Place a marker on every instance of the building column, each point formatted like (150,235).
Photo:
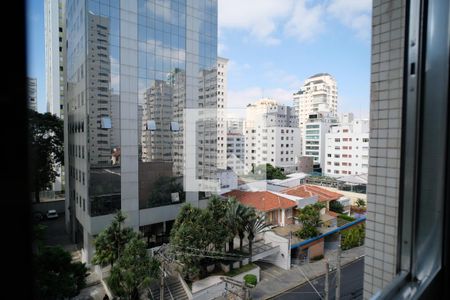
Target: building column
(87,251)
(283,217)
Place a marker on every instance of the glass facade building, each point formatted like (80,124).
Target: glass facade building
(136,72)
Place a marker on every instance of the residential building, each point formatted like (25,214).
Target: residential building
(236,152)
(55,67)
(271,135)
(235,125)
(55,55)
(228,180)
(321,195)
(277,209)
(141,113)
(347,149)
(318,92)
(32,93)
(314,136)
(222,95)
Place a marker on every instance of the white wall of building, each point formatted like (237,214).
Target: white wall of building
(347,149)
(314,135)
(317,90)
(222,94)
(271,135)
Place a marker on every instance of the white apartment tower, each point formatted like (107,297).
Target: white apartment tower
(347,149)
(271,135)
(316,127)
(236,145)
(318,91)
(222,86)
(55,48)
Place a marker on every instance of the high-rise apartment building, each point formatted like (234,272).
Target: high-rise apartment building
(317,126)
(222,94)
(347,148)
(32,93)
(141,113)
(317,92)
(271,135)
(55,54)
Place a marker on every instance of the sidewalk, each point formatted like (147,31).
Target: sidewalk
(275,280)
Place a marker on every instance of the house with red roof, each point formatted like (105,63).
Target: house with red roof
(278,210)
(322,195)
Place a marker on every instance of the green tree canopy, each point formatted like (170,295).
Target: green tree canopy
(353,237)
(109,244)
(133,271)
(360,203)
(268,171)
(195,233)
(309,216)
(56,276)
(46,137)
(337,207)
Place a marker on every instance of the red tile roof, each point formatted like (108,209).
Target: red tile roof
(307,190)
(262,201)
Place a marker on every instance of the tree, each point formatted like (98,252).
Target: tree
(110,243)
(244,215)
(134,270)
(218,209)
(268,171)
(253,227)
(353,237)
(360,203)
(309,216)
(56,276)
(232,220)
(46,136)
(337,207)
(194,234)
(162,191)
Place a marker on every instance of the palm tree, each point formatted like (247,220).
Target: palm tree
(231,220)
(245,214)
(255,226)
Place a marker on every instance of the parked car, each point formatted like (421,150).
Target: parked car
(52,214)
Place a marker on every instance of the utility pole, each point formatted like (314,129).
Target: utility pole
(338,270)
(327,266)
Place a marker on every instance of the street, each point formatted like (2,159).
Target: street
(351,284)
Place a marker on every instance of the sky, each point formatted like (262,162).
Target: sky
(272,47)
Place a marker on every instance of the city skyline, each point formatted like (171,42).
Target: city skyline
(268,74)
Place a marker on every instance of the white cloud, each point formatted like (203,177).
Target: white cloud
(355,14)
(306,21)
(258,17)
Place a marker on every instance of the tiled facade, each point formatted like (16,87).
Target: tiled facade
(388,23)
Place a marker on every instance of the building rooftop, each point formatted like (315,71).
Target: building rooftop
(307,190)
(319,75)
(262,200)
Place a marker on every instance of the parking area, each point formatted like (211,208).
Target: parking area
(56,233)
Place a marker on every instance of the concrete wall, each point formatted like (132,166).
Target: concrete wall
(316,249)
(282,258)
(43,207)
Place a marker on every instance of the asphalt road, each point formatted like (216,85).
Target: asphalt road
(351,285)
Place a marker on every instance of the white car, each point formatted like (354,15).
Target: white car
(52,214)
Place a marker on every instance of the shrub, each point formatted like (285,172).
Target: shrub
(346,218)
(250,279)
(353,237)
(336,207)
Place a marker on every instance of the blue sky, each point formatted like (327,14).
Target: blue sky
(272,48)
